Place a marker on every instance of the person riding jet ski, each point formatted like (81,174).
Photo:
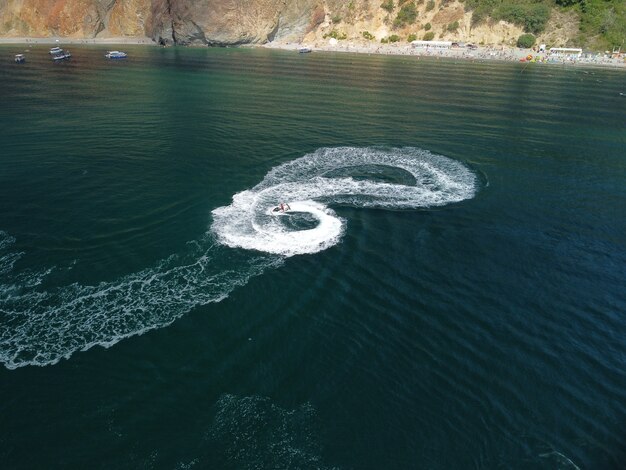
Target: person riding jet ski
(282,207)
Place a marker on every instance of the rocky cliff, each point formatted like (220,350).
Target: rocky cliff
(226,22)
(212,22)
(231,22)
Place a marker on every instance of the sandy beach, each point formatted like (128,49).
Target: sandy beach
(481,53)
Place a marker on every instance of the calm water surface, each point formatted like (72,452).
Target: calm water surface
(479,323)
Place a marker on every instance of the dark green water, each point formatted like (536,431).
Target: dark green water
(486,330)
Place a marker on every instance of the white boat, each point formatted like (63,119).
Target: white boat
(61,55)
(116,55)
(20,58)
(55,50)
(304,50)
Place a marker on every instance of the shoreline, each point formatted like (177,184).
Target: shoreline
(481,53)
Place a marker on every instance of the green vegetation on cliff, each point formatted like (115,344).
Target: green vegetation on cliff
(336,35)
(388,6)
(603,18)
(406,15)
(532,15)
(526,41)
(602,22)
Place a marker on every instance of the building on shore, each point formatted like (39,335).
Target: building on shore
(433,44)
(569,52)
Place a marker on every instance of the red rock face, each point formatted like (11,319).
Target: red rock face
(215,22)
(223,22)
(129,18)
(74,18)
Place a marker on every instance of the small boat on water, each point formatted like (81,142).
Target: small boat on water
(116,55)
(304,50)
(61,55)
(20,58)
(55,50)
(280,209)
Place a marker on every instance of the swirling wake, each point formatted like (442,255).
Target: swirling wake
(337,176)
(39,326)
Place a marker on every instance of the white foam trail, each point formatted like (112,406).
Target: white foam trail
(309,184)
(7,260)
(560,459)
(41,325)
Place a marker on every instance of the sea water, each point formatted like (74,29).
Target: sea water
(446,290)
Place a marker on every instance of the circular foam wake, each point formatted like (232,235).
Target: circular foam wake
(406,178)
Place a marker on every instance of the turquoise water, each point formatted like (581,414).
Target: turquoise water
(447,291)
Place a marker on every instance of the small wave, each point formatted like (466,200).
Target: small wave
(358,177)
(7,258)
(253,432)
(561,461)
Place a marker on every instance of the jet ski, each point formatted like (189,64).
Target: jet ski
(280,209)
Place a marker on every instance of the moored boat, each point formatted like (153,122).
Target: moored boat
(20,58)
(116,55)
(61,55)
(304,50)
(55,50)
